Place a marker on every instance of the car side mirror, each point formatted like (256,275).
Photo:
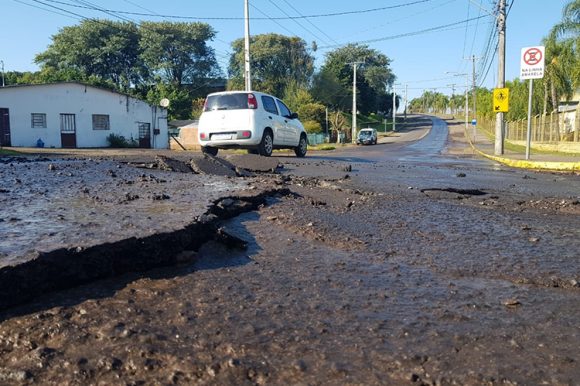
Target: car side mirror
(294,116)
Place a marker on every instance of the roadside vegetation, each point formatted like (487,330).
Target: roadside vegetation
(7,152)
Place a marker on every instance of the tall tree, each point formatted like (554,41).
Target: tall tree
(329,91)
(179,52)
(276,60)
(100,48)
(374,75)
(560,65)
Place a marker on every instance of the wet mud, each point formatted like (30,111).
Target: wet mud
(334,272)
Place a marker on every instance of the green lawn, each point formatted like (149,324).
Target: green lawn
(4,152)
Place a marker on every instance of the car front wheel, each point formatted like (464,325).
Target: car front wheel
(302,147)
(267,144)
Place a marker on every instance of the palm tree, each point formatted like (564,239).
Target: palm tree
(569,27)
(568,32)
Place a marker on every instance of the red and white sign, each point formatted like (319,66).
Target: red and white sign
(532,63)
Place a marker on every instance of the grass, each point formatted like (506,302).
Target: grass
(374,121)
(522,149)
(4,152)
(323,146)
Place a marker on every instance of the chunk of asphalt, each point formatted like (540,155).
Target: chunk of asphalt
(212,166)
(254,163)
(229,240)
(171,165)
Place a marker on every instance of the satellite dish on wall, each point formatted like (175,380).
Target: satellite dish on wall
(164,102)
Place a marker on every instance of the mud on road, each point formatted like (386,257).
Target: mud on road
(317,274)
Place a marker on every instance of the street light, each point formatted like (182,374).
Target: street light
(2,63)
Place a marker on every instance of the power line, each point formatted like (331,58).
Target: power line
(275,20)
(412,15)
(476,28)
(311,23)
(265,18)
(432,29)
(47,9)
(466,29)
(296,21)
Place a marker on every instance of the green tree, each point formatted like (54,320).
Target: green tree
(180,101)
(569,27)
(276,60)
(457,103)
(373,75)
(301,101)
(103,49)
(327,89)
(559,68)
(178,52)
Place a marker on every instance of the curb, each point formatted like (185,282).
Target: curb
(527,164)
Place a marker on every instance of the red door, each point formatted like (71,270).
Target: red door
(5,128)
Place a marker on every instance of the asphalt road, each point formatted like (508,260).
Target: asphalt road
(408,262)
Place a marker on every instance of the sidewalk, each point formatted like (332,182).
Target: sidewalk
(557,161)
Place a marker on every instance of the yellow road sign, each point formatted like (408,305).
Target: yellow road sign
(501,97)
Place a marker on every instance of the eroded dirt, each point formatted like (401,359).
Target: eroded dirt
(422,276)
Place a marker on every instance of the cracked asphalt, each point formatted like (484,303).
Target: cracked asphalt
(409,262)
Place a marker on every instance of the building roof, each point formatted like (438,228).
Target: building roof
(13,86)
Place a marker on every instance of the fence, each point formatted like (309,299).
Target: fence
(316,139)
(556,128)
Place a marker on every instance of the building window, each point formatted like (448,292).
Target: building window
(38,120)
(100,122)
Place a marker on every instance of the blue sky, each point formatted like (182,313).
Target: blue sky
(393,27)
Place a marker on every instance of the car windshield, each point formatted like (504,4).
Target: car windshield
(365,133)
(227,102)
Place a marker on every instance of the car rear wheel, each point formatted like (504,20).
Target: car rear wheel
(209,150)
(267,144)
(302,147)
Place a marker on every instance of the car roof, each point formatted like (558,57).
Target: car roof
(239,92)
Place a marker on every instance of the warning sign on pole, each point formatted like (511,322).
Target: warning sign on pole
(501,98)
(532,63)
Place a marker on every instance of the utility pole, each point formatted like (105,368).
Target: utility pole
(326,119)
(406,87)
(474,95)
(353,131)
(394,108)
(466,101)
(499,121)
(247,74)
(2,62)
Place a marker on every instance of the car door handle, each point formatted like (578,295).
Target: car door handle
(269,116)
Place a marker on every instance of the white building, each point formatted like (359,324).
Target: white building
(74,115)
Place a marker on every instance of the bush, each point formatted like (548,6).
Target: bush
(312,127)
(118,141)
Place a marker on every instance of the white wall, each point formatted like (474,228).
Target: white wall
(124,114)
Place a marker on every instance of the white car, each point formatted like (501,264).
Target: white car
(367,137)
(249,120)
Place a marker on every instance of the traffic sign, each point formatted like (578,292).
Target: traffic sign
(532,63)
(501,98)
